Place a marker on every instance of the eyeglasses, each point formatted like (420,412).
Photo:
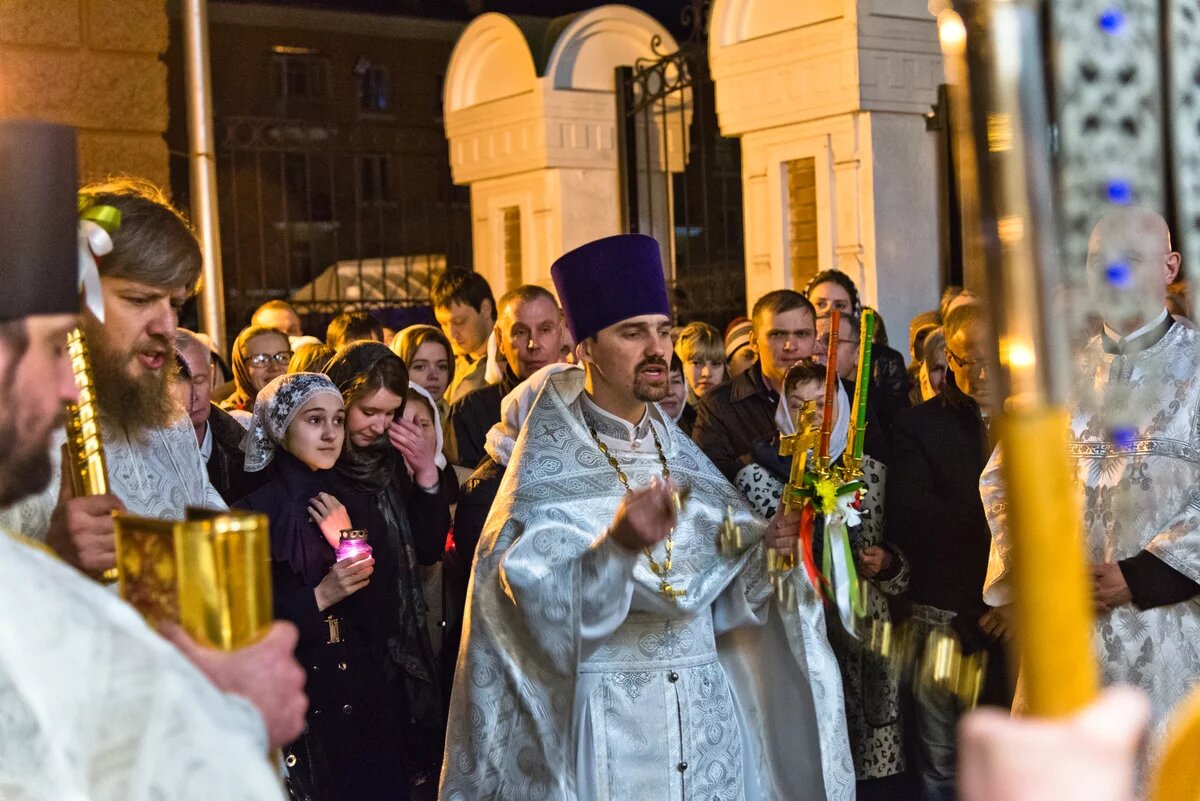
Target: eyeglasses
(972,366)
(262,359)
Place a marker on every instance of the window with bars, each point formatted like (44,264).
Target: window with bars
(299,75)
(512,246)
(373,88)
(803,252)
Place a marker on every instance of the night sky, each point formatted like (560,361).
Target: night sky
(666,11)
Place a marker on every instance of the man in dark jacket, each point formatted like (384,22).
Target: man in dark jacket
(934,514)
(735,416)
(530,336)
(218,434)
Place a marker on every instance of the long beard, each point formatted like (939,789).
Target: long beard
(136,404)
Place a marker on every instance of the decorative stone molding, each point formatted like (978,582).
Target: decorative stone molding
(530,113)
(846,83)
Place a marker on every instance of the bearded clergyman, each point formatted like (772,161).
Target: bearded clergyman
(613,649)
(154,465)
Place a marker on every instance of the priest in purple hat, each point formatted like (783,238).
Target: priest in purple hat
(613,651)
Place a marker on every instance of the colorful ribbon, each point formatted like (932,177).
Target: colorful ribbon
(96,224)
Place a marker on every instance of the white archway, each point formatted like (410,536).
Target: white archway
(490,61)
(537,142)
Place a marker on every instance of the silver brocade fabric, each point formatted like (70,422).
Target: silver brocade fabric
(579,680)
(1144,497)
(95,705)
(157,474)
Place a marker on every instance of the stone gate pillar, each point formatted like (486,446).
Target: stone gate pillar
(830,98)
(530,112)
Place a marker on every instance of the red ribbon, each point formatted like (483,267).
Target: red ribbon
(808,516)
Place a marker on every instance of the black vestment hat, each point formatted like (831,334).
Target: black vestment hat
(39,223)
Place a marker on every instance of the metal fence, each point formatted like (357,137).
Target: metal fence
(328,216)
(680,179)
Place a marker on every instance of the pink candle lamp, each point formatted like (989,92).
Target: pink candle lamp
(353,543)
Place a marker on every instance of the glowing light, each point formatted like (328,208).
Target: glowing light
(1119,191)
(353,543)
(1111,21)
(1020,355)
(999,133)
(1119,274)
(1124,438)
(951,32)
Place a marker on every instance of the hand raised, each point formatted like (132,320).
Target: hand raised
(645,517)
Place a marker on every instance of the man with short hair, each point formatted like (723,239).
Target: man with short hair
(599,598)
(529,335)
(279,314)
(217,432)
(466,310)
(154,464)
(739,414)
(1134,442)
(353,326)
(935,516)
(93,703)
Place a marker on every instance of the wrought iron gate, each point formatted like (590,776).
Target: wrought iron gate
(680,180)
(328,216)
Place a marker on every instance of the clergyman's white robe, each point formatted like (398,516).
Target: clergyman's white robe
(579,680)
(158,473)
(1142,497)
(94,706)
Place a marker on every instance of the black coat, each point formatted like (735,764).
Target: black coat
(472,416)
(892,384)
(934,513)
(733,417)
(359,708)
(475,498)
(226,463)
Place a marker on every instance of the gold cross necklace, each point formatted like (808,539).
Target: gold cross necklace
(661,570)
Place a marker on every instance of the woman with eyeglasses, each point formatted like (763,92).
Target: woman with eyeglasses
(259,354)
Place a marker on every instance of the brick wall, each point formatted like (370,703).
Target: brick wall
(93,64)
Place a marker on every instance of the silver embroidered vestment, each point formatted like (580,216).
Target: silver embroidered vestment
(1141,495)
(579,680)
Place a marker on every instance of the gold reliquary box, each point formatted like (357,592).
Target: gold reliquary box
(210,573)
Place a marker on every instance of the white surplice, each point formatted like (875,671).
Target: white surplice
(94,706)
(578,679)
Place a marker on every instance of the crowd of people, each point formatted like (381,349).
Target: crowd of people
(544,611)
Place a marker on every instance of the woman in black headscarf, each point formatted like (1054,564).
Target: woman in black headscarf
(390,485)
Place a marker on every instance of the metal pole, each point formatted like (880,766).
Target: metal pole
(202,165)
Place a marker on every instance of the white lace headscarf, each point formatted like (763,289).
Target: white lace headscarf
(275,407)
(440,458)
(515,408)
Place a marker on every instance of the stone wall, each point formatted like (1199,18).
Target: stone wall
(93,64)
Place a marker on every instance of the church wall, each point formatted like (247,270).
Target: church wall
(96,65)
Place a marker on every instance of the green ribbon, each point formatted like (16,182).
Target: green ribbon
(107,217)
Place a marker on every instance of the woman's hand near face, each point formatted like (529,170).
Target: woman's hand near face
(408,438)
